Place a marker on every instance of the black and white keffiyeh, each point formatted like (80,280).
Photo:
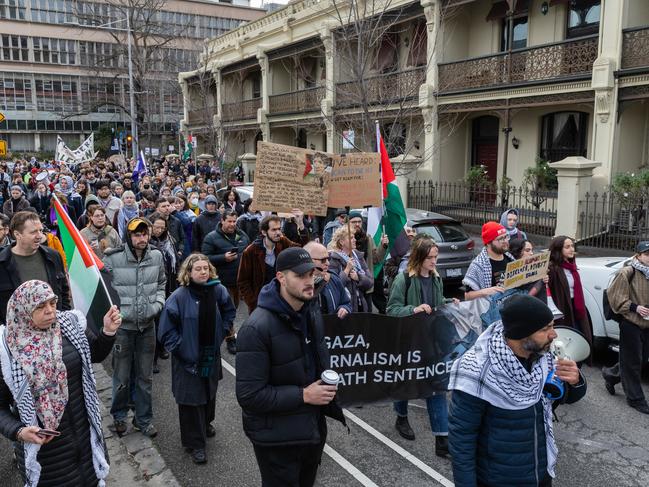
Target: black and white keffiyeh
(490,371)
(73,325)
(640,267)
(478,275)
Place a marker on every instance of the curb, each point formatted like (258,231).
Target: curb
(134,461)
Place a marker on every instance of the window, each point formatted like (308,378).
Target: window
(256,86)
(395,139)
(14,48)
(519,34)
(583,18)
(563,134)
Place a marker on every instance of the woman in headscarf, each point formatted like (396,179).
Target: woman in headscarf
(17,201)
(193,324)
(48,397)
(126,213)
(509,220)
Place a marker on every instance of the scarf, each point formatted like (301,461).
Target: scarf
(126,213)
(38,352)
(513,232)
(71,325)
(490,371)
(357,264)
(207,323)
(579,302)
(478,275)
(638,266)
(164,245)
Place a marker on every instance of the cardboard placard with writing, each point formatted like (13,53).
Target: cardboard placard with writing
(289,177)
(526,270)
(355,180)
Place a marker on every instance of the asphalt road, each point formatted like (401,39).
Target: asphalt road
(602,442)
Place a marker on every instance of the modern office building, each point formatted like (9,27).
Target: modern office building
(453,84)
(64,66)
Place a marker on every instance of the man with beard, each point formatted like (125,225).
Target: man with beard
(175,228)
(330,291)
(373,256)
(487,271)
(500,419)
(257,266)
(281,356)
(109,202)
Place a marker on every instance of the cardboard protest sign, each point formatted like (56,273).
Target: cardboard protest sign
(289,177)
(355,180)
(527,269)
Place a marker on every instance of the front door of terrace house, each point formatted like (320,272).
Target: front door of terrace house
(484,151)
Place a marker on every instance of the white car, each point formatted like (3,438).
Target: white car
(596,274)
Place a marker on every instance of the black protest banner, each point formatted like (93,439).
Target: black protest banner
(386,358)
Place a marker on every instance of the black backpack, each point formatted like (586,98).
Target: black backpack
(609,314)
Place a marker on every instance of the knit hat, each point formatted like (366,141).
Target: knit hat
(491,231)
(15,186)
(523,315)
(355,214)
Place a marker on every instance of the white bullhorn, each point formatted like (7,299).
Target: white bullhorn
(570,344)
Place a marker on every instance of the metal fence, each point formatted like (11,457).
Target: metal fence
(613,221)
(476,205)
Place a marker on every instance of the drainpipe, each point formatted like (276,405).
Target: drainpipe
(510,32)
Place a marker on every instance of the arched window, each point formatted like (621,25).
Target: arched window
(563,134)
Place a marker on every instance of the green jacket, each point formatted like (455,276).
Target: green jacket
(401,305)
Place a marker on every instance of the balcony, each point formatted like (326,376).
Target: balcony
(570,59)
(382,89)
(635,48)
(297,101)
(241,110)
(201,116)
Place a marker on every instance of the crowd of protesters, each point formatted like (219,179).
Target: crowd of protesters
(184,253)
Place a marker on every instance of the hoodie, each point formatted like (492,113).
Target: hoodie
(513,232)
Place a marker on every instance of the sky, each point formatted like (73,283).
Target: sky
(257,3)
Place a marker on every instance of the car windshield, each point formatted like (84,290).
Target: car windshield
(444,232)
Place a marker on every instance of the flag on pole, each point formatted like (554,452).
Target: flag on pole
(140,168)
(390,218)
(189,148)
(89,292)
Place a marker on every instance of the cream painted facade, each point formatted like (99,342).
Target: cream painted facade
(574,82)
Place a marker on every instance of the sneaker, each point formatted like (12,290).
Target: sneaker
(149,430)
(441,446)
(164,355)
(403,427)
(231,345)
(641,406)
(610,387)
(156,369)
(198,456)
(210,431)
(120,427)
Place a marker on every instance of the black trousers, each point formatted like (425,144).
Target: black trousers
(193,423)
(289,466)
(633,343)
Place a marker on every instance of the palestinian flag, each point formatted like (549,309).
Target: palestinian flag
(89,291)
(189,148)
(391,217)
(308,168)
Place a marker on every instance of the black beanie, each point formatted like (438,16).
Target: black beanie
(523,315)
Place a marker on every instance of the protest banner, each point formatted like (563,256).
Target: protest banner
(387,358)
(355,180)
(289,177)
(525,270)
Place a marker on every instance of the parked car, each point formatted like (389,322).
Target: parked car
(596,275)
(456,247)
(245,192)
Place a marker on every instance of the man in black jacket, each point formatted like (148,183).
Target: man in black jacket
(206,222)
(163,206)
(281,354)
(28,259)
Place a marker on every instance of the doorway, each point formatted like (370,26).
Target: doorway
(484,144)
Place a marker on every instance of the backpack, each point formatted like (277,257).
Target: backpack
(609,314)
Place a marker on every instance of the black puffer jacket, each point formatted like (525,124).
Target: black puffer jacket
(10,280)
(204,224)
(273,368)
(67,459)
(215,246)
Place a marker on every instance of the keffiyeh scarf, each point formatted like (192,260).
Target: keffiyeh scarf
(357,264)
(638,266)
(490,371)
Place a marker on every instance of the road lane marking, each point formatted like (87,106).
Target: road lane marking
(401,451)
(335,456)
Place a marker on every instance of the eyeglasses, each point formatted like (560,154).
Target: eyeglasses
(504,238)
(323,260)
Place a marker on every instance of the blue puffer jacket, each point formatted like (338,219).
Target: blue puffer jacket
(498,447)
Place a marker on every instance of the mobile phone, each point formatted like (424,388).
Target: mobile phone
(46,432)
(235,250)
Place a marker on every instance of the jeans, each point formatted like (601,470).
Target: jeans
(133,349)
(437,412)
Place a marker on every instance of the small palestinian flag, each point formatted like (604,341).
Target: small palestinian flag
(89,292)
(308,168)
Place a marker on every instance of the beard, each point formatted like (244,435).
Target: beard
(497,250)
(536,350)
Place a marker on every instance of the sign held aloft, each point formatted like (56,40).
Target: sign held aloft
(526,270)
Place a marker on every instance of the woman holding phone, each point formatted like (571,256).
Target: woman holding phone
(48,398)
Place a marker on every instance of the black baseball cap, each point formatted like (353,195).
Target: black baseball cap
(642,247)
(295,259)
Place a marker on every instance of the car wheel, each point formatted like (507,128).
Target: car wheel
(600,344)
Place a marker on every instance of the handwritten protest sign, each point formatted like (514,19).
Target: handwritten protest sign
(527,269)
(355,180)
(289,177)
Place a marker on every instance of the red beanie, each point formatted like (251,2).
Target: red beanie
(491,231)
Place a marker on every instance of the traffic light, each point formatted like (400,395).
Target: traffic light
(129,140)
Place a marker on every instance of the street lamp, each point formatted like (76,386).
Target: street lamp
(130,71)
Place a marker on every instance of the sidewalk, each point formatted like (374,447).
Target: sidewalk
(134,461)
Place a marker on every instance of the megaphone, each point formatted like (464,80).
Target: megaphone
(43,177)
(572,345)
